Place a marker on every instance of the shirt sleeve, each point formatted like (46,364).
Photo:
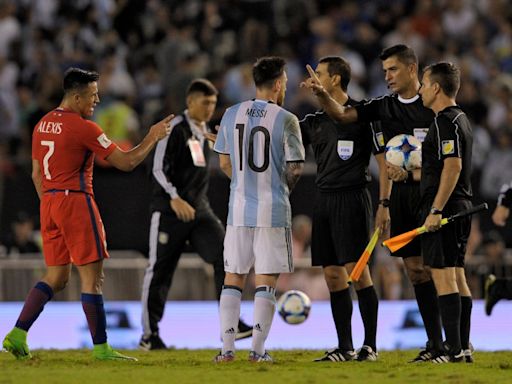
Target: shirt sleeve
(373,110)
(221,143)
(96,140)
(305,128)
(449,138)
(505,196)
(164,163)
(378,142)
(293,147)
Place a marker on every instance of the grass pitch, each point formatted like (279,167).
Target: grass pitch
(195,366)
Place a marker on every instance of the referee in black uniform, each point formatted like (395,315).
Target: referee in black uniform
(180,209)
(401,112)
(342,216)
(499,288)
(445,190)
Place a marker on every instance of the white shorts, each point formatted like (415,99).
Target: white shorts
(268,249)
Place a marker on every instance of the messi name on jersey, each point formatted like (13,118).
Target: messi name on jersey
(255,112)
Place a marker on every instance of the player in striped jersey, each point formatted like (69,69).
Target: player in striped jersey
(261,150)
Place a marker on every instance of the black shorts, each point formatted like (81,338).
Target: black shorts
(404,209)
(446,247)
(341,227)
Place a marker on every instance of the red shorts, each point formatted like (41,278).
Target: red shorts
(71,229)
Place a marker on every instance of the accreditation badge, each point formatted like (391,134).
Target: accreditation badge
(197,153)
(345,149)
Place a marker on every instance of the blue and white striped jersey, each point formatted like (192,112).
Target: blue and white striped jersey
(260,137)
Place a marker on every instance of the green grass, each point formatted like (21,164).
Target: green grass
(195,366)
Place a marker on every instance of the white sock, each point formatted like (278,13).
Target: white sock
(230,299)
(264,308)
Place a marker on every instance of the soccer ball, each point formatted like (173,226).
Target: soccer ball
(294,306)
(404,151)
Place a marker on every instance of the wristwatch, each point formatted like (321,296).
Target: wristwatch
(384,202)
(435,211)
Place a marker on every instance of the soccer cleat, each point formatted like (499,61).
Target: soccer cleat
(425,354)
(444,357)
(16,343)
(491,297)
(151,343)
(256,358)
(243,331)
(337,355)
(468,353)
(366,353)
(105,352)
(226,357)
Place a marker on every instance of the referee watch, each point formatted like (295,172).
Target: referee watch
(435,211)
(384,202)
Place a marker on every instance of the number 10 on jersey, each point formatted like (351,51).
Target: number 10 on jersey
(258,130)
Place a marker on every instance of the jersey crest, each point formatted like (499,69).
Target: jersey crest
(345,149)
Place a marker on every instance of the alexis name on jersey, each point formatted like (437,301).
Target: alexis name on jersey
(50,127)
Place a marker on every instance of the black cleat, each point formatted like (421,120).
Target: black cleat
(244,331)
(468,354)
(151,343)
(491,297)
(366,353)
(424,355)
(444,357)
(337,355)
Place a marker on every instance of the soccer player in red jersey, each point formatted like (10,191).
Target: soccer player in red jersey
(64,144)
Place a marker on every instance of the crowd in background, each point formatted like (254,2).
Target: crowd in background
(148,51)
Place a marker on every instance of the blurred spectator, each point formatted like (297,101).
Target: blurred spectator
(22,238)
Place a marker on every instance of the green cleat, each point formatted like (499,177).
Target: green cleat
(16,343)
(105,352)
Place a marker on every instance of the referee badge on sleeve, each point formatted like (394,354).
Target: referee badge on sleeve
(448,147)
(380,139)
(345,149)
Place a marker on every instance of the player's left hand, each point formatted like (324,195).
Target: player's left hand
(433,222)
(396,174)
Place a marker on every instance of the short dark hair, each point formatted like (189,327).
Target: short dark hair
(203,86)
(336,65)
(266,70)
(76,79)
(403,53)
(447,75)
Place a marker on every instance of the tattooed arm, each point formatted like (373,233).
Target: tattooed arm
(293,172)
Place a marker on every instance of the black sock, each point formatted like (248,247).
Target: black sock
(426,296)
(466,305)
(341,307)
(450,308)
(369,306)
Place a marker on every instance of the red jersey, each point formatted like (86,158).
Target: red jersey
(64,144)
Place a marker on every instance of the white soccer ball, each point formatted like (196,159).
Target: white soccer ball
(404,151)
(294,306)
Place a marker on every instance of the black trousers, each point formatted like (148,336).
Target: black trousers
(167,238)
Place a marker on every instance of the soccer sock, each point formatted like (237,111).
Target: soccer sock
(264,308)
(341,307)
(369,306)
(230,300)
(450,308)
(92,305)
(34,305)
(466,305)
(426,296)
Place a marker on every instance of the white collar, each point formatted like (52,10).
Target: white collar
(408,101)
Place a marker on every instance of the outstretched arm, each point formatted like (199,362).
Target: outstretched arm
(128,160)
(336,111)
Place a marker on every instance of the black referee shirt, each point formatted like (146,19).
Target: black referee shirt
(342,152)
(450,135)
(173,172)
(397,116)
